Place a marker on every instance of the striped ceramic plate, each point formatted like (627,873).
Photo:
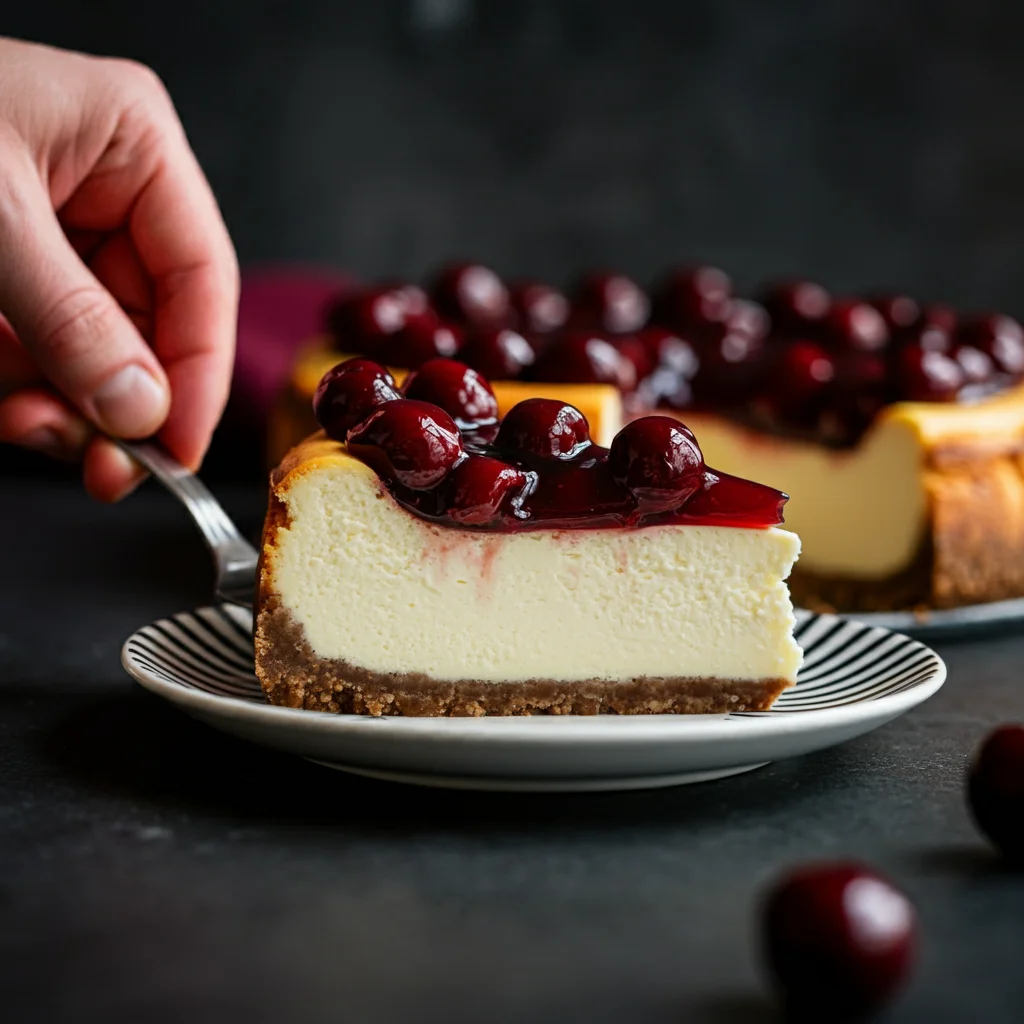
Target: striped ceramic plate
(855,678)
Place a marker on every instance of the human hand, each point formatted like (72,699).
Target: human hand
(118,281)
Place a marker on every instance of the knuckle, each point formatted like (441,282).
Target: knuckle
(75,328)
(139,80)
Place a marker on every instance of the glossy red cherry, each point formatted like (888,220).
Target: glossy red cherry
(462,392)
(659,460)
(470,294)
(415,443)
(995,790)
(931,337)
(349,392)
(747,318)
(852,324)
(900,312)
(926,376)
(838,938)
(420,339)
(859,370)
(665,346)
(584,358)
(796,305)
(692,296)
(730,367)
(544,427)
(798,379)
(999,336)
(610,302)
(937,316)
(978,366)
(481,488)
(674,363)
(499,353)
(631,348)
(540,307)
(360,322)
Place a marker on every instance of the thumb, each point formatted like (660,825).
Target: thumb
(68,322)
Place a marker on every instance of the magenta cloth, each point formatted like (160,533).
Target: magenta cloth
(280,309)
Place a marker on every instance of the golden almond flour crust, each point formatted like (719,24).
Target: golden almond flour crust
(293,676)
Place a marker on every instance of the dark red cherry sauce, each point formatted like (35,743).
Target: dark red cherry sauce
(441,452)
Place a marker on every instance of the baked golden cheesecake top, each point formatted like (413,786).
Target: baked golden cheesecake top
(423,556)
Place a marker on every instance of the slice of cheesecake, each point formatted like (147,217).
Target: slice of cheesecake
(436,563)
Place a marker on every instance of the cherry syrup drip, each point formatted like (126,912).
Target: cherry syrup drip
(442,454)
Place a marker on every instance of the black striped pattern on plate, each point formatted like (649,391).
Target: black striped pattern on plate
(845,662)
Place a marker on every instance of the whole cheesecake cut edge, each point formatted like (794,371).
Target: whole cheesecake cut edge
(364,607)
(926,512)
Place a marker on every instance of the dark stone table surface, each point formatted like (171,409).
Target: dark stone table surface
(154,870)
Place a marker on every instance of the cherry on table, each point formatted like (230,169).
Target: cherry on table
(415,443)
(457,388)
(480,488)
(838,938)
(349,392)
(658,459)
(498,353)
(610,302)
(995,790)
(541,308)
(471,294)
(544,427)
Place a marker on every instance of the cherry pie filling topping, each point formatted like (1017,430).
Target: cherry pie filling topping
(442,453)
(798,362)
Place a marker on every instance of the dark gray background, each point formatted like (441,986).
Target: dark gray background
(866,142)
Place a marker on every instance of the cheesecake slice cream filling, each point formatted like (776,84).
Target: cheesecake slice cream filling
(377,588)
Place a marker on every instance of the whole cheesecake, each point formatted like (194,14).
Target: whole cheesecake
(897,429)
(422,557)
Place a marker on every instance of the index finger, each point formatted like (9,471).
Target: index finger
(182,242)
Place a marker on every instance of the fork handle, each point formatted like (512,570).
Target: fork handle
(231,551)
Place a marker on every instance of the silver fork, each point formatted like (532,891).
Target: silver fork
(234,557)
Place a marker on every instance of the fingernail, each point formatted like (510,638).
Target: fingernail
(132,403)
(128,468)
